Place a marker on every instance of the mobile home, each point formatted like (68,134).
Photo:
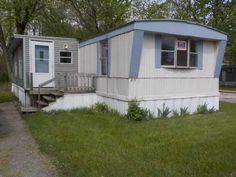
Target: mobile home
(171,62)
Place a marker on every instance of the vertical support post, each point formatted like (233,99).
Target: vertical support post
(39,95)
(31,81)
(65,82)
(58,80)
(87,84)
(94,83)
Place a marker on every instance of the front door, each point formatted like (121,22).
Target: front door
(42,62)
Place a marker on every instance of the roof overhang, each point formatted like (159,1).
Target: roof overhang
(168,27)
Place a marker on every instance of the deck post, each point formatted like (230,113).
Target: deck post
(65,82)
(39,95)
(31,81)
(94,82)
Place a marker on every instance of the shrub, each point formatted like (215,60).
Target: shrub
(164,112)
(175,113)
(212,110)
(101,107)
(202,109)
(184,111)
(137,113)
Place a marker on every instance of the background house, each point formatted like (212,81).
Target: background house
(228,75)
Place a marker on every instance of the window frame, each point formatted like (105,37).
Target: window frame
(71,61)
(101,58)
(175,54)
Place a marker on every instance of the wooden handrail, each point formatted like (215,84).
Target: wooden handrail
(73,82)
(43,84)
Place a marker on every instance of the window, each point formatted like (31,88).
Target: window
(193,54)
(182,53)
(179,52)
(65,57)
(168,50)
(41,59)
(104,57)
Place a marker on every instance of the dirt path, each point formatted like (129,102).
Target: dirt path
(19,155)
(228,97)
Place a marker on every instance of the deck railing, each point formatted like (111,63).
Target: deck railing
(69,82)
(76,82)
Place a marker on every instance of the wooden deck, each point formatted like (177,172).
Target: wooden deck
(42,95)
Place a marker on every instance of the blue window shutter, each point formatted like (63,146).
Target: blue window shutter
(200,55)
(136,53)
(157,51)
(220,57)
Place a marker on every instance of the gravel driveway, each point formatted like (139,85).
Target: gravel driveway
(228,97)
(19,155)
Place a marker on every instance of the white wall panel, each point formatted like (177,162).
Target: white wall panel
(175,104)
(20,93)
(72,101)
(169,88)
(88,59)
(121,48)
(147,66)
(118,105)
(114,87)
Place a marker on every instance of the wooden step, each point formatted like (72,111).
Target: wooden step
(42,92)
(57,94)
(29,109)
(49,98)
(42,103)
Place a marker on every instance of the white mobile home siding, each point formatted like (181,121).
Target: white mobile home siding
(121,48)
(88,59)
(162,83)
(117,88)
(58,46)
(147,65)
(18,67)
(117,84)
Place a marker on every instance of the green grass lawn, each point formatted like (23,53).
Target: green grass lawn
(5,94)
(87,143)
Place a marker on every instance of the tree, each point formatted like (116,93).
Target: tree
(220,14)
(16,15)
(91,17)
(150,9)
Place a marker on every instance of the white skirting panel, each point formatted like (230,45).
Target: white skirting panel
(21,94)
(72,101)
(118,105)
(191,103)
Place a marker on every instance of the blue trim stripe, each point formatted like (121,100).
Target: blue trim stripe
(157,51)
(220,57)
(109,58)
(98,57)
(200,55)
(136,53)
